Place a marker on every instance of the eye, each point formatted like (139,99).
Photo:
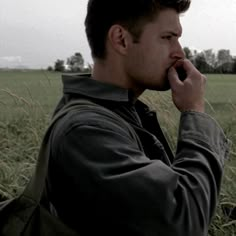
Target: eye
(168,37)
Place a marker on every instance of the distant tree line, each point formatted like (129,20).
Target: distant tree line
(74,64)
(207,61)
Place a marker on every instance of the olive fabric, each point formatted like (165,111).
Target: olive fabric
(104,180)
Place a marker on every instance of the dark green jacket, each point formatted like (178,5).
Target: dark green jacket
(105,181)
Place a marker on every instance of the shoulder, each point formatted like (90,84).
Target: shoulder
(91,117)
(96,130)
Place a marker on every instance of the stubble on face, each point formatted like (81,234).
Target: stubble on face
(149,60)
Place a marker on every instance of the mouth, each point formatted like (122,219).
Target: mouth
(176,63)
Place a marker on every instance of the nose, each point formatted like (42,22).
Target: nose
(178,52)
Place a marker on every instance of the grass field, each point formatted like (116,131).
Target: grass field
(27,100)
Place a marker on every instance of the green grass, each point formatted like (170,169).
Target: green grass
(31,91)
(27,100)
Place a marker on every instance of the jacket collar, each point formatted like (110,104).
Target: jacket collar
(84,84)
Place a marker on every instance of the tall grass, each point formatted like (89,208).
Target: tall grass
(27,100)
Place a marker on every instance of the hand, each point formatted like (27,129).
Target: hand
(187,95)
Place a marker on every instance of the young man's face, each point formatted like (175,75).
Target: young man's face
(147,62)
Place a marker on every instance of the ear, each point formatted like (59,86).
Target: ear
(119,39)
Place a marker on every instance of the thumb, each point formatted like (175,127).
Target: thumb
(173,78)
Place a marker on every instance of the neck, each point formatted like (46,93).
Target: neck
(111,73)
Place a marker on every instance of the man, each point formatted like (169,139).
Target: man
(109,179)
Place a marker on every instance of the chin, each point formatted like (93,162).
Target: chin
(161,87)
(166,86)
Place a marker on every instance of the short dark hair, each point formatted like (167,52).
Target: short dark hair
(131,14)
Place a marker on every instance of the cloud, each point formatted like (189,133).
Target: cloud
(11,59)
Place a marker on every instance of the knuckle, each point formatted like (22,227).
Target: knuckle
(204,78)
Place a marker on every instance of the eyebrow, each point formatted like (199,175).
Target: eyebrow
(173,33)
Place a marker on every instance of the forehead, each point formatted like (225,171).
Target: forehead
(166,20)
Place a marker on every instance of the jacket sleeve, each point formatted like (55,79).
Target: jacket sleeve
(148,195)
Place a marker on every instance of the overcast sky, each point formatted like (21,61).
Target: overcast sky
(35,33)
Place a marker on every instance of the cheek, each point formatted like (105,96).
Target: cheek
(156,63)
(135,61)
(149,61)
(156,54)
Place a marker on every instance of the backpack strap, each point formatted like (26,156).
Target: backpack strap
(36,186)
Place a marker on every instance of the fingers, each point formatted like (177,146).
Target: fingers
(188,67)
(185,64)
(189,93)
(174,78)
